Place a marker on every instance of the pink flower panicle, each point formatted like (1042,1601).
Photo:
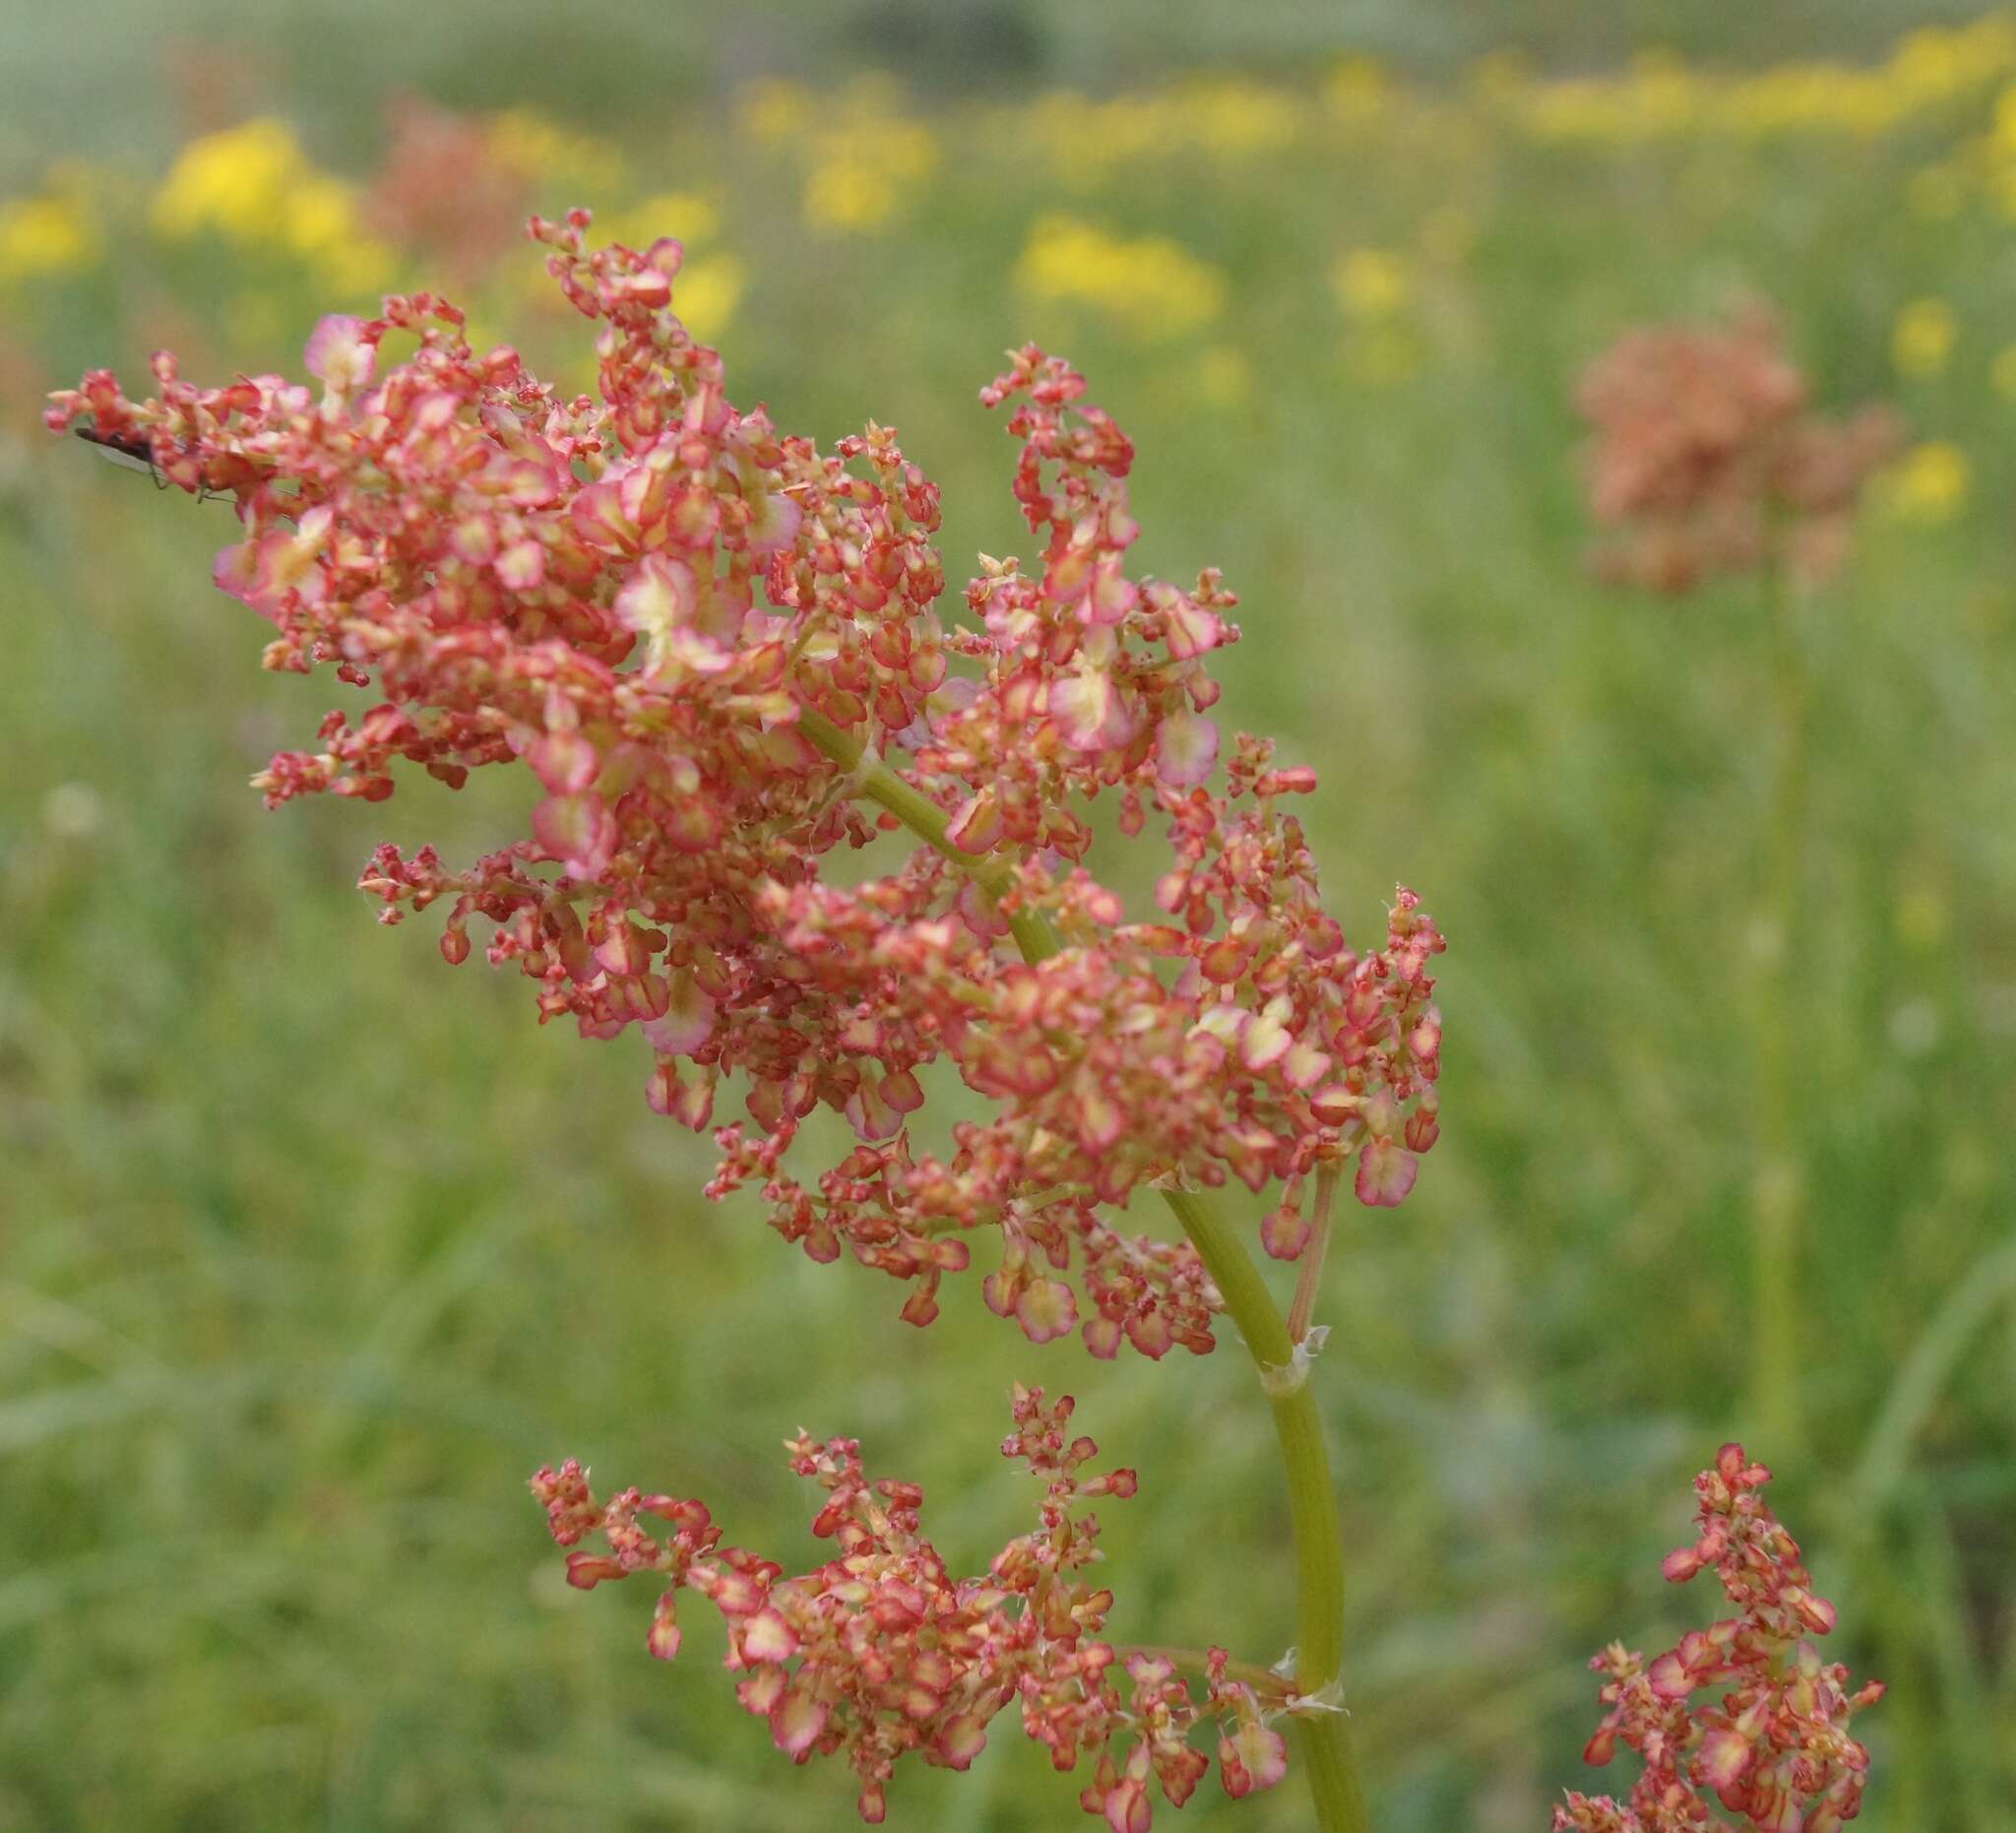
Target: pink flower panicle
(1772,1744)
(1706,459)
(640,596)
(881,1653)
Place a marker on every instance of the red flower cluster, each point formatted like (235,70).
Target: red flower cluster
(1707,460)
(882,1654)
(1773,1746)
(702,638)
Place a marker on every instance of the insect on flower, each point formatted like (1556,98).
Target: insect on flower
(135,452)
(128,451)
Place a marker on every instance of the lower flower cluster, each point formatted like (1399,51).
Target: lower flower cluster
(882,1654)
(1771,1743)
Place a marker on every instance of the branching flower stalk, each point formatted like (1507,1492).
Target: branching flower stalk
(718,654)
(1275,1344)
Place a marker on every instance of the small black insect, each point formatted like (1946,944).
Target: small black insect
(135,452)
(129,450)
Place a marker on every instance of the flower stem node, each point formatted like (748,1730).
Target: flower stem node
(1277,1381)
(1326,1699)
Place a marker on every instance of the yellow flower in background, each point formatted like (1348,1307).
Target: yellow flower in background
(1936,63)
(1357,90)
(234,182)
(1922,340)
(867,165)
(683,213)
(847,192)
(1666,95)
(1153,287)
(1222,118)
(581,166)
(2003,372)
(773,111)
(1660,96)
(1928,486)
(1231,118)
(322,226)
(1372,284)
(56,231)
(1083,140)
(707,293)
(1656,97)
(252,184)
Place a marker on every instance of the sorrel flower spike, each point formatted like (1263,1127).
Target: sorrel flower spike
(710,644)
(677,619)
(1770,1743)
(882,1654)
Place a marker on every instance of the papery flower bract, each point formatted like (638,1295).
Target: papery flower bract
(646,599)
(881,1653)
(1771,1744)
(341,353)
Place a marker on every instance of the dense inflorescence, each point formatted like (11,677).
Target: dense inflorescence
(1706,458)
(882,1654)
(697,634)
(1771,1744)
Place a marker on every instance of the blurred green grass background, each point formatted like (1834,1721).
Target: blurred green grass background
(310,1251)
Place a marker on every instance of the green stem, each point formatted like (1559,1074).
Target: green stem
(1327,1758)
(1778,1194)
(1324,1736)
(1302,1309)
(927,820)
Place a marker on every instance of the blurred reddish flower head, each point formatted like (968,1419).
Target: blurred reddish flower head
(1705,457)
(444,189)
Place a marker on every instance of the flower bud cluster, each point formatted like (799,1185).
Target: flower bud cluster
(1771,1743)
(656,603)
(881,1653)
(1706,458)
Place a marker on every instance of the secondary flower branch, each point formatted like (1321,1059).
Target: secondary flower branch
(880,1654)
(1771,1741)
(1274,1344)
